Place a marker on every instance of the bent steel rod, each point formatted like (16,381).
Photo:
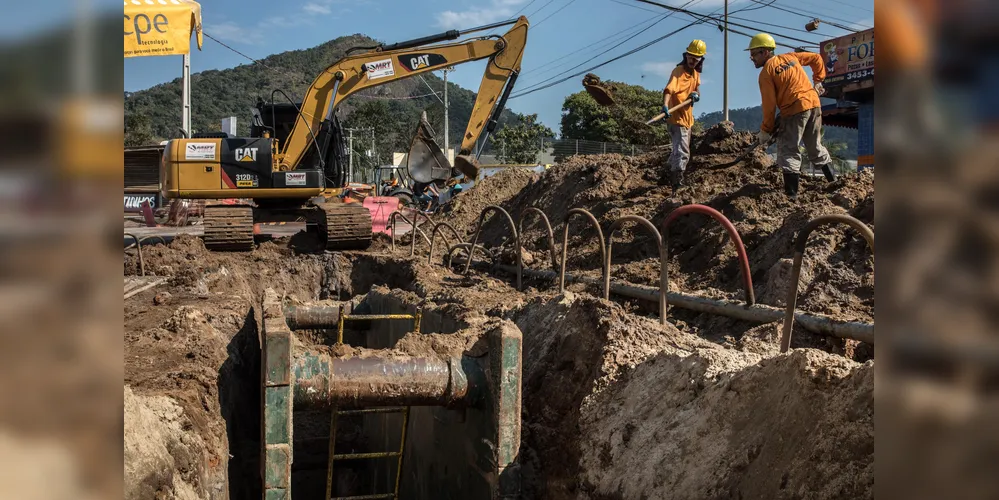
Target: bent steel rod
(800,243)
(392,223)
(757,313)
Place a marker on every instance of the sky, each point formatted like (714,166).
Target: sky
(563,34)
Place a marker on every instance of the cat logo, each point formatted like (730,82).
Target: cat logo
(419,61)
(246,154)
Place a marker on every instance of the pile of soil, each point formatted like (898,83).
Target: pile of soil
(463,210)
(615,405)
(619,406)
(837,275)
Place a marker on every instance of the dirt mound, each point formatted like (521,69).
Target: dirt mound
(463,210)
(618,406)
(837,276)
(193,267)
(575,346)
(190,370)
(702,426)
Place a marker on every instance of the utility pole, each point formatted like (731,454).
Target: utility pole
(725,96)
(446,143)
(350,162)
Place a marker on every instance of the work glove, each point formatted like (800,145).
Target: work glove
(763,137)
(695,97)
(820,89)
(666,112)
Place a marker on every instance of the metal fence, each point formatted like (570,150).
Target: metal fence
(551,150)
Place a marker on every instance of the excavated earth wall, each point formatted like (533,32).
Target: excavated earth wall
(615,405)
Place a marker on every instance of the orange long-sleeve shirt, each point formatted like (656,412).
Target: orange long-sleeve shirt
(681,84)
(785,85)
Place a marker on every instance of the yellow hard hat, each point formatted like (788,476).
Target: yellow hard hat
(762,41)
(697,48)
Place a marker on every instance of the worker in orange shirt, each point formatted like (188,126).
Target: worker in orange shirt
(684,83)
(785,85)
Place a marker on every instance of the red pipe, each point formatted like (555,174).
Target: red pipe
(740,249)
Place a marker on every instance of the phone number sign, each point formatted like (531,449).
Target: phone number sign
(849,59)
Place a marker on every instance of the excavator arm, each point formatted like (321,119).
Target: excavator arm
(389,63)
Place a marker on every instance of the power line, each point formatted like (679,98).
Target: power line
(618,44)
(397,98)
(635,6)
(553,13)
(811,15)
(661,19)
(564,57)
(719,20)
(220,42)
(435,93)
(815,6)
(549,2)
(780,26)
(514,16)
(613,59)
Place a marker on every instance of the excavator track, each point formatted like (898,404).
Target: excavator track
(228,228)
(347,226)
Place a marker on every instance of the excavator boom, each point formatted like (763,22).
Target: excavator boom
(272,180)
(358,72)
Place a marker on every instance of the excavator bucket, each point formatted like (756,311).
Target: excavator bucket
(427,162)
(468,165)
(601,92)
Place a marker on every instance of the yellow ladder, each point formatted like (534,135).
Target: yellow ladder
(388,410)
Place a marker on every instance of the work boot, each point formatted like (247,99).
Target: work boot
(827,170)
(676,178)
(791,185)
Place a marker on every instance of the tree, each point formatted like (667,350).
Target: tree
(623,123)
(520,143)
(138,130)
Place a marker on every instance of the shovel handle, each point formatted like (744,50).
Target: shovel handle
(660,116)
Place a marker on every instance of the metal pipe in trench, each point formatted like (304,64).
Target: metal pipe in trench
(759,313)
(322,381)
(313,316)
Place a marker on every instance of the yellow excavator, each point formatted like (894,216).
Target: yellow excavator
(280,175)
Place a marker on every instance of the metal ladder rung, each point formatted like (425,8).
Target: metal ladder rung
(390,409)
(368,317)
(365,456)
(335,414)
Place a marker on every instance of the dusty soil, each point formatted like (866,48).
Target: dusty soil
(615,405)
(618,406)
(837,276)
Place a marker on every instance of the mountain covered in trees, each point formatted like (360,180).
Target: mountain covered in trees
(393,109)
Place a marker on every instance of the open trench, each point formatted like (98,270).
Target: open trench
(614,404)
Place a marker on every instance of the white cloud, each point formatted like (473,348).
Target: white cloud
(317,9)
(232,32)
(471,18)
(283,22)
(498,10)
(663,69)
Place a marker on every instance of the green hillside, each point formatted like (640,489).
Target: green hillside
(750,119)
(216,94)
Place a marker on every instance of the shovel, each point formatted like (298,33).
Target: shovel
(601,92)
(773,138)
(672,110)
